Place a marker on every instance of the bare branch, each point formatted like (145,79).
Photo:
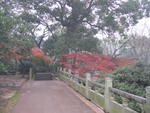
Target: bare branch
(116,50)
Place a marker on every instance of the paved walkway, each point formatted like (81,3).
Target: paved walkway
(49,97)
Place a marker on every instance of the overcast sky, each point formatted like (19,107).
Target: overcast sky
(142,28)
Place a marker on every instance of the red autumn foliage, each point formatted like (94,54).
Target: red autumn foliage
(13,54)
(87,62)
(37,52)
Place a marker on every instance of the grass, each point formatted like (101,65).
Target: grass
(11,103)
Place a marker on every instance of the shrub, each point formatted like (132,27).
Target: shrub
(132,79)
(6,65)
(40,65)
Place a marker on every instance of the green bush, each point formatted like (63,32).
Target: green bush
(3,68)
(132,79)
(6,65)
(54,67)
(24,66)
(40,65)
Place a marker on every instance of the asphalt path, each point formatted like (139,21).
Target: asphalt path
(50,97)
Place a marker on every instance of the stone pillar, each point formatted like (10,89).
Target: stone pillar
(69,71)
(17,64)
(88,78)
(147,99)
(75,81)
(30,74)
(76,75)
(64,69)
(108,84)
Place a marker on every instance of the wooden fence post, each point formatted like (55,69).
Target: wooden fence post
(108,84)
(147,99)
(88,78)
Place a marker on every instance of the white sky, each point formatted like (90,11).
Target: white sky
(142,28)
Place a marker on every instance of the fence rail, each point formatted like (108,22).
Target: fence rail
(96,84)
(105,100)
(128,95)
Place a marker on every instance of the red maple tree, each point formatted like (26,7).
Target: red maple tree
(34,52)
(86,62)
(37,52)
(13,54)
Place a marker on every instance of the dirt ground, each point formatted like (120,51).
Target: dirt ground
(9,85)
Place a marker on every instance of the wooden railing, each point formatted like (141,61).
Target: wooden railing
(103,94)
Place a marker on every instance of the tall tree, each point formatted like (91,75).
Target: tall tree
(81,18)
(106,15)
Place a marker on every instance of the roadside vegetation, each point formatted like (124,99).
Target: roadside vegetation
(59,27)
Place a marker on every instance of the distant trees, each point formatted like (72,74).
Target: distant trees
(114,46)
(138,47)
(57,46)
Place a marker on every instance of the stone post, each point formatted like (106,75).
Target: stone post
(61,74)
(64,69)
(76,75)
(69,71)
(75,81)
(69,77)
(17,64)
(30,73)
(108,84)
(147,99)
(88,78)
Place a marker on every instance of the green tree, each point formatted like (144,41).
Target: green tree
(79,19)
(83,18)
(56,47)
(14,34)
(6,25)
